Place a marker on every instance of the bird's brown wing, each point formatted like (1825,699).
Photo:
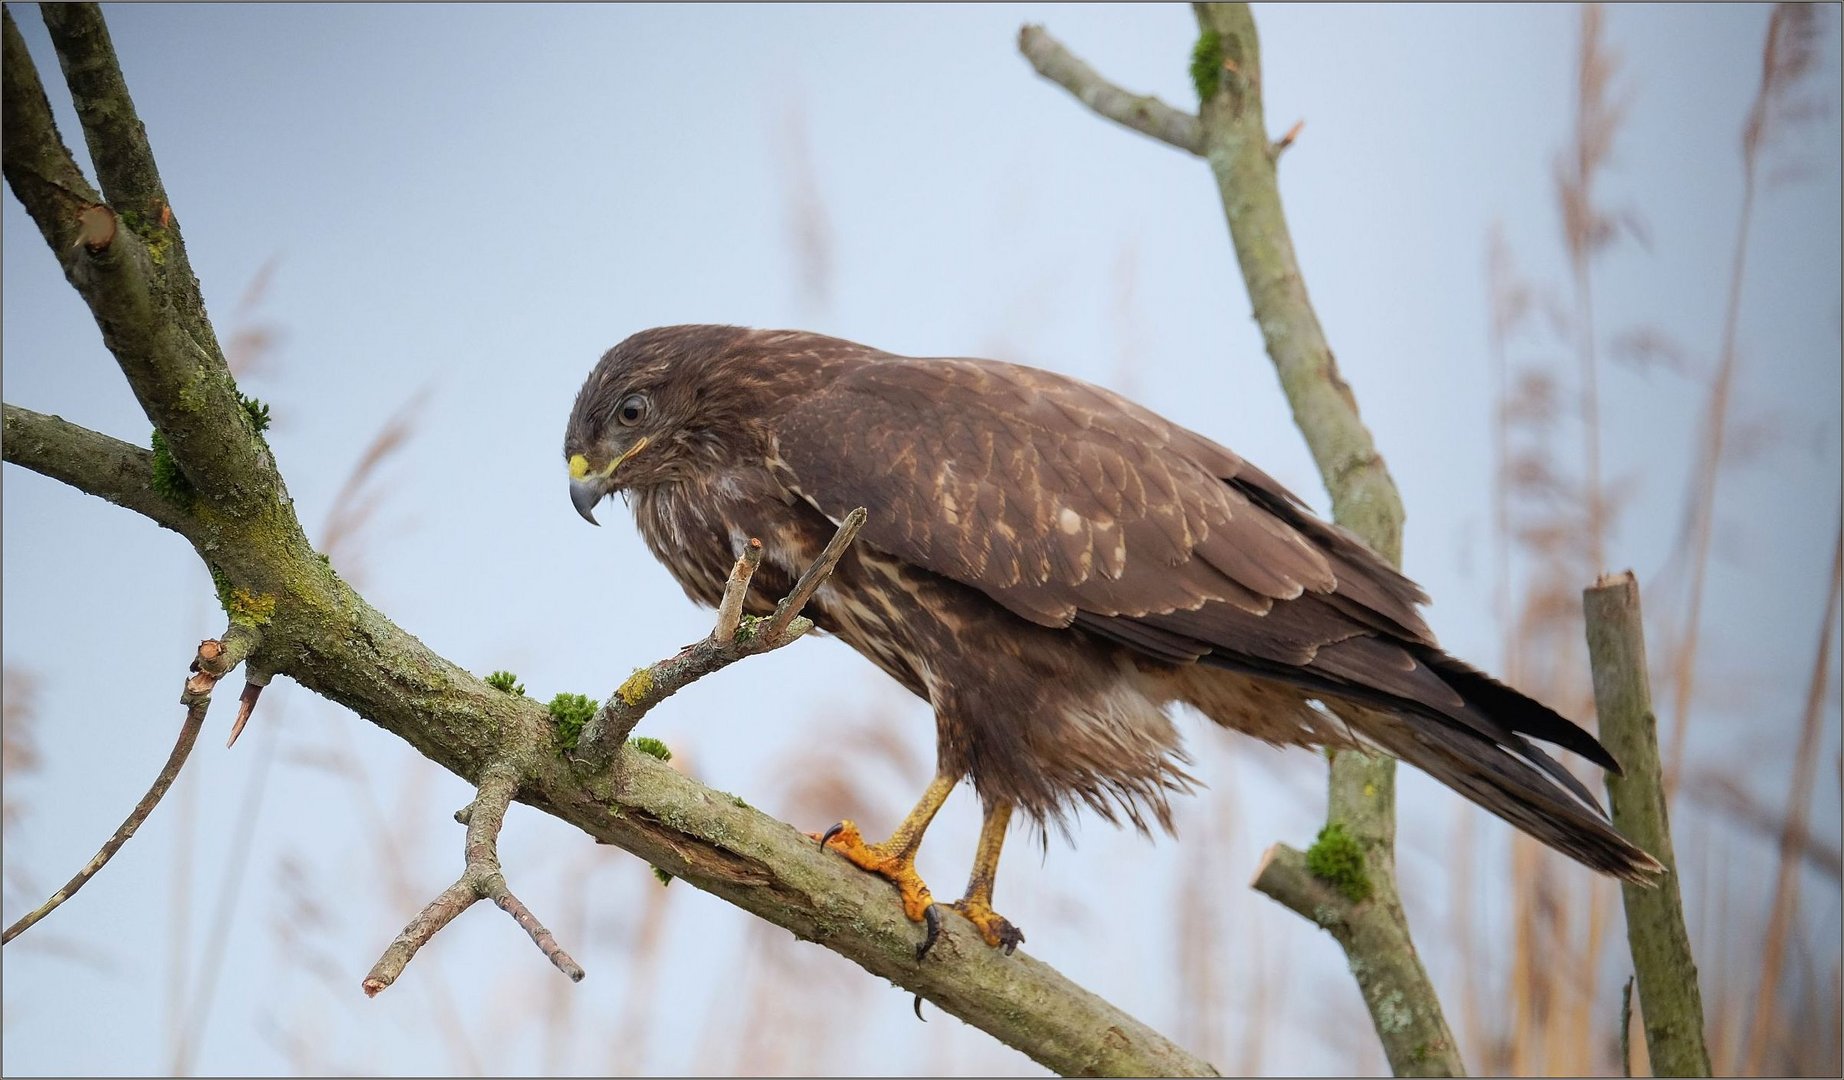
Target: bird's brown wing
(1069,504)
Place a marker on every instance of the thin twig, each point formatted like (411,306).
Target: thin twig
(481,880)
(1143,113)
(730,612)
(815,576)
(1281,144)
(246,704)
(1626,1028)
(214,659)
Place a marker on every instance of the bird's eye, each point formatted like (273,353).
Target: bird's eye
(633,409)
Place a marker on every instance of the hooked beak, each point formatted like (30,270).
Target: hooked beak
(587,488)
(584,494)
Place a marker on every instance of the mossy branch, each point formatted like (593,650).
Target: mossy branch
(1669,995)
(1233,137)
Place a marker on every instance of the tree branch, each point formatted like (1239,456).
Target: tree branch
(1668,992)
(111,128)
(1361,799)
(214,660)
(105,467)
(1143,113)
(128,261)
(481,880)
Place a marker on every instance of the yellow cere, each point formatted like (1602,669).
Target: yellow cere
(579,465)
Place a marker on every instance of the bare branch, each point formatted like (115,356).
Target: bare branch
(1143,113)
(111,129)
(730,612)
(649,686)
(88,461)
(814,576)
(214,660)
(481,880)
(1668,992)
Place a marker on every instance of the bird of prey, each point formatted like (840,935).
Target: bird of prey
(1050,566)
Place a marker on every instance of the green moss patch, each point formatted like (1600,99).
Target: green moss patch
(570,712)
(1336,859)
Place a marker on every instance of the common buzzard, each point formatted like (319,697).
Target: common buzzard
(1050,566)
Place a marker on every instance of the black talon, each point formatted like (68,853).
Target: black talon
(933,919)
(919,1015)
(837,828)
(1010,937)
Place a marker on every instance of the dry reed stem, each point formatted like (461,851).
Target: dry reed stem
(1587,229)
(1788,56)
(1799,799)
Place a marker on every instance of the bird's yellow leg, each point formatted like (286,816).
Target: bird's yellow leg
(977,904)
(895,858)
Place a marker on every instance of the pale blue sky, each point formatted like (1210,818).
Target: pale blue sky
(478,200)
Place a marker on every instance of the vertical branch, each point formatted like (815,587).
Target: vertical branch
(1361,800)
(1668,991)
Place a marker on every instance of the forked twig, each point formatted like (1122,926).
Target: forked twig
(214,660)
(481,880)
(732,638)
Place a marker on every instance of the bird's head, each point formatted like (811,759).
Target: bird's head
(665,405)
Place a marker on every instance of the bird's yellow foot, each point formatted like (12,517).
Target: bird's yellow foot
(889,860)
(994,927)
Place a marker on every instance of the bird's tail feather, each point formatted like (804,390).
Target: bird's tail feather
(1508,785)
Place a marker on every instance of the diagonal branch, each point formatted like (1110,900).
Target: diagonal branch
(481,880)
(128,261)
(320,632)
(731,639)
(215,659)
(1143,113)
(111,129)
